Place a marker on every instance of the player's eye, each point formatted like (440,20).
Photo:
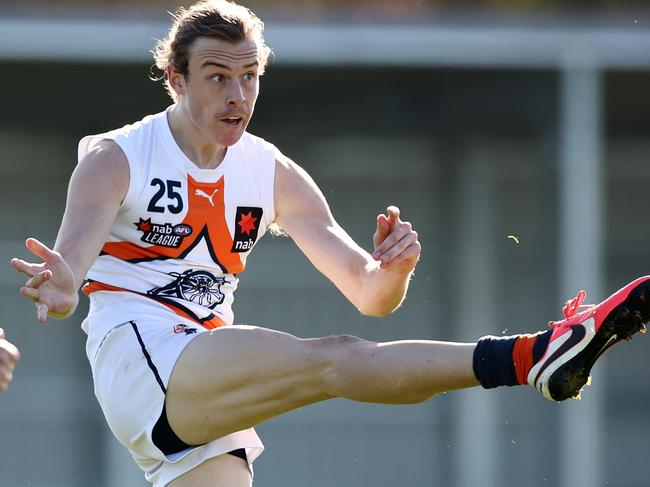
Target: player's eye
(249,76)
(218,78)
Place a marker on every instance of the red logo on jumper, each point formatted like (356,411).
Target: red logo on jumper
(247,219)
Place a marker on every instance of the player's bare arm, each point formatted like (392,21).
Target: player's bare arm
(376,284)
(97,187)
(9,355)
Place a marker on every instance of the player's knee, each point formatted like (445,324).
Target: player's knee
(336,345)
(332,350)
(337,352)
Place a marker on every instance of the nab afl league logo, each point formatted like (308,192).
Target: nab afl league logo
(247,223)
(163,234)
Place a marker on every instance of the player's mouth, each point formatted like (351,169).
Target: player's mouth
(232,121)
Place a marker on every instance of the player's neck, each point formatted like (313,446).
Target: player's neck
(201,150)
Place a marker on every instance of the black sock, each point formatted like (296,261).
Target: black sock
(493,364)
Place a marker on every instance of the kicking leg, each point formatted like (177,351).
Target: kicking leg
(237,377)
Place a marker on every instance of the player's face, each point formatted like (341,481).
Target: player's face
(221,87)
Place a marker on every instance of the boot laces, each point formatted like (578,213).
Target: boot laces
(572,306)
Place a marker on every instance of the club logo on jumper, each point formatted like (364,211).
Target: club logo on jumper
(200,192)
(163,234)
(184,329)
(247,222)
(199,287)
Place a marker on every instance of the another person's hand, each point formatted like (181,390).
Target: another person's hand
(396,243)
(51,284)
(9,355)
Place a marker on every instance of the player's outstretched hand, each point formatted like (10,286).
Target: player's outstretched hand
(51,284)
(396,243)
(9,355)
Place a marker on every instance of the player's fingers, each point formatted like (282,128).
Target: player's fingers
(7,366)
(385,225)
(382,231)
(387,244)
(41,312)
(393,215)
(41,250)
(406,261)
(9,353)
(39,279)
(30,292)
(6,375)
(26,267)
(400,248)
(397,233)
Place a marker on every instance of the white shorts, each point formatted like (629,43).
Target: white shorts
(131,368)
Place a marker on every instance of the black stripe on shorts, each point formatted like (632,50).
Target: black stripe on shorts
(162,435)
(148,357)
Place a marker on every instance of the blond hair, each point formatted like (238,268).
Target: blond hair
(218,19)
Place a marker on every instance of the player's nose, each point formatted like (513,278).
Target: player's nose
(236,94)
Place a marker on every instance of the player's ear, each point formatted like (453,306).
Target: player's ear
(176,80)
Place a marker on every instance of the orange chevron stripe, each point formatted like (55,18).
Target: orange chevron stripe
(91,286)
(216,217)
(201,212)
(128,251)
